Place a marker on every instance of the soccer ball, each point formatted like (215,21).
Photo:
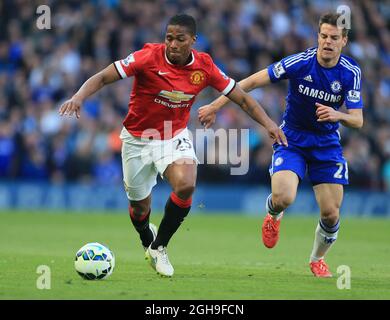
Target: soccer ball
(94,261)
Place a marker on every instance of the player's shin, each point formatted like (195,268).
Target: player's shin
(176,210)
(141,224)
(325,236)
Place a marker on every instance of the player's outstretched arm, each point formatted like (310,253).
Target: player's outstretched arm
(93,84)
(257,113)
(353,118)
(206,113)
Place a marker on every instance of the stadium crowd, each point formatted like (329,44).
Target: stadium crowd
(41,68)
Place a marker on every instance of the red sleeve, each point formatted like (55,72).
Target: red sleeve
(133,63)
(220,81)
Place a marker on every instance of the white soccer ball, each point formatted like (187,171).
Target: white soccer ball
(94,261)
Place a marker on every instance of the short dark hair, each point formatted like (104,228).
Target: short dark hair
(332,19)
(184,20)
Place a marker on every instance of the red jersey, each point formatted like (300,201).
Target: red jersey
(163,91)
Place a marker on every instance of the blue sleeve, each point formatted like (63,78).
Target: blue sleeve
(353,97)
(289,67)
(277,71)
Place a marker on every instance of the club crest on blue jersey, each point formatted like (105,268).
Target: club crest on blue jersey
(336,86)
(278,161)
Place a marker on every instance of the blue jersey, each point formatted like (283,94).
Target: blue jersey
(310,83)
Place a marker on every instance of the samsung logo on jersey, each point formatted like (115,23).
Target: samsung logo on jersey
(319,94)
(278,70)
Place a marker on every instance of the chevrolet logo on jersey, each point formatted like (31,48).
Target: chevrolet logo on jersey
(175,96)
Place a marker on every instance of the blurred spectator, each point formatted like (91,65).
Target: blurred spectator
(107,170)
(7,149)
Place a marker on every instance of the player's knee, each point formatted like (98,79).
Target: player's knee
(185,189)
(330,217)
(282,201)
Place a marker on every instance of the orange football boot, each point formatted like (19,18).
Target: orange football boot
(320,269)
(270,231)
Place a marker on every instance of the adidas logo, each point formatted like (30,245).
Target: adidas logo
(329,240)
(308,78)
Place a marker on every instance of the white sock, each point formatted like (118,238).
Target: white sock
(324,238)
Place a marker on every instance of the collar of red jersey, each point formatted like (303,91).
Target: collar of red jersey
(188,64)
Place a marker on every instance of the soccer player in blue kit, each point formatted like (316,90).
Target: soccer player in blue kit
(321,80)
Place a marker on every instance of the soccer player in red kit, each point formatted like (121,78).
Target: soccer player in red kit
(155,138)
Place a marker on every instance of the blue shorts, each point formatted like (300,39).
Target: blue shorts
(321,155)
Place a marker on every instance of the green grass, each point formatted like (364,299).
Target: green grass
(215,257)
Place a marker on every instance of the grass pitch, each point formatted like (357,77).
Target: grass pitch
(215,257)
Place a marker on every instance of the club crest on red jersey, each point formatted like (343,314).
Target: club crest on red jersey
(197,77)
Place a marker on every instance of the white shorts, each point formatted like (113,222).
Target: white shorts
(144,159)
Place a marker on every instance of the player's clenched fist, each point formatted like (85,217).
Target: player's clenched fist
(325,113)
(71,106)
